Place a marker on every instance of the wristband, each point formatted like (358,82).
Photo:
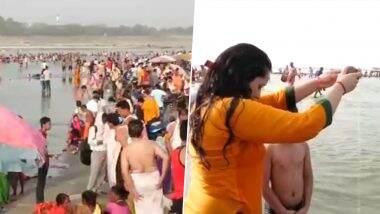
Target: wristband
(344,88)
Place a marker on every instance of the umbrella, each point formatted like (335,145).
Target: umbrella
(163,59)
(185,57)
(16,132)
(180,69)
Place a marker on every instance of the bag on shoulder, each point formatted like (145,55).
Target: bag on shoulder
(85,153)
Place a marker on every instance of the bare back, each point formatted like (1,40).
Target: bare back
(287,172)
(141,156)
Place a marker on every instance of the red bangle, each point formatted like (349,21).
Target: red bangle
(344,88)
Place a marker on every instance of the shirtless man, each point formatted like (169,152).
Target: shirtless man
(140,172)
(288,178)
(121,134)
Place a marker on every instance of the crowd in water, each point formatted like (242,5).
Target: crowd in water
(129,124)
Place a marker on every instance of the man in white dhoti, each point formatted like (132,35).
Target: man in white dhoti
(113,150)
(140,173)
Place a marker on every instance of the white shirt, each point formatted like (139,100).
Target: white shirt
(113,149)
(158,96)
(95,138)
(176,138)
(46,74)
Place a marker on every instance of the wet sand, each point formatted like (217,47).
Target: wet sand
(73,182)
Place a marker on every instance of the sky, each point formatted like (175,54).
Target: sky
(155,13)
(309,33)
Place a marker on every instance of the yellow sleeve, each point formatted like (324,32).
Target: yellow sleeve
(283,99)
(157,114)
(253,121)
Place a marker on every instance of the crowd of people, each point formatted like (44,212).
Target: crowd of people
(129,125)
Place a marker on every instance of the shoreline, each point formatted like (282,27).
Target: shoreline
(95,42)
(72,181)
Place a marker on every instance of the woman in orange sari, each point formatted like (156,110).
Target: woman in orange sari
(231,122)
(77,77)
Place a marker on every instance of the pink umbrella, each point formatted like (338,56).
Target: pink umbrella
(16,132)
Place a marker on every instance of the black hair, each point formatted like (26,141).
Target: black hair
(135,128)
(123,104)
(228,77)
(61,198)
(183,130)
(114,118)
(89,197)
(111,99)
(44,120)
(139,112)
(96,95)
(104,117)
(120,191)
(75,132)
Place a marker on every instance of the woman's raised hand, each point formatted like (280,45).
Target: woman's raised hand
(349,78)
(327,79)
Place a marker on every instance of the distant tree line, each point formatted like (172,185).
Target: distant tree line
(10,27)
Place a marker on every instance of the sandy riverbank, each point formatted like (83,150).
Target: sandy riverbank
(95,42)
(72,181)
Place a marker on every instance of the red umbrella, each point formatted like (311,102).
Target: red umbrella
(16,132)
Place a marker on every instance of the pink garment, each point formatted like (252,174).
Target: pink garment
(16,132)
(76,124)
(114,208)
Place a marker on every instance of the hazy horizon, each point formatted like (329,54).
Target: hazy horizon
(158,14)
(309,33)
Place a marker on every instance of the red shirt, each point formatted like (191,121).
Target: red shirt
(57,210)
(178,173)
(109,64)
(44,133)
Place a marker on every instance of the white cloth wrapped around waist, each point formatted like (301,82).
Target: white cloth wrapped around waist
(153,200)
(146,182)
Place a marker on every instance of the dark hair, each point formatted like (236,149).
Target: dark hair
(89,197)
(78,103)
(104,117)
(75,133)
(228,77)
(147,91)
(123,104)
(96,95)
(120,191)
(139,112)
(114,118)
(61,198)
(44,120)
(127,94)
(111,99)
(135,128)
(183,130)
